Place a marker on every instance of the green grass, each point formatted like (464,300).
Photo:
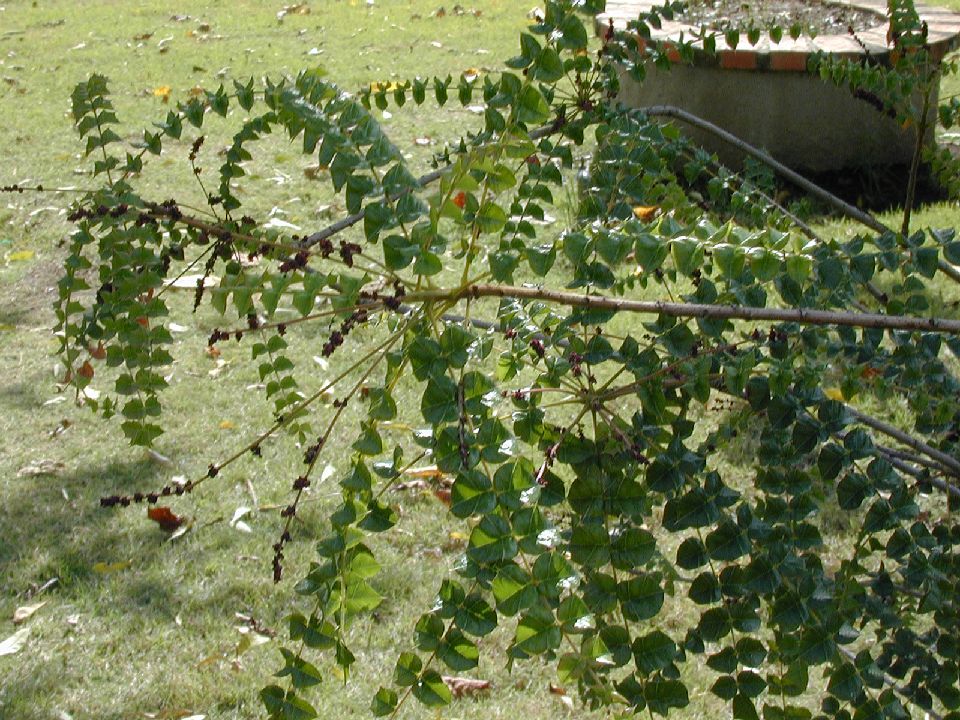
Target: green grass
(135,623)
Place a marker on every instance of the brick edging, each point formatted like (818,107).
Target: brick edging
(788,55)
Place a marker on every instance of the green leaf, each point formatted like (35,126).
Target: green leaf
(845,683)
(384,702)
(439,401)
(687,255)
(407,670)
(286,705)
(662,695)
(531,106)
(548,67)
(537,632)
(632,549)
(513,589)
(692,554)
(743,708)
(831,461)
(590,545)
(492,541)
(315,633)
(727,542)
(431,690)
(653,652)
(475,616)
(640,598)
(302,673)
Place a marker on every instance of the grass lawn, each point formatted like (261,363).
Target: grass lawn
(133,624)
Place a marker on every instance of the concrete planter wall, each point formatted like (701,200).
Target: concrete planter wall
(764,94)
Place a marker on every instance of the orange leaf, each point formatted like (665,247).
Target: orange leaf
(98,353)
(86,370)
(460,200)
(645,213)
(443,495)
(165,518)
(870,372)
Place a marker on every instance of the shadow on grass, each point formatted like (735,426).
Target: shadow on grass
(60,520)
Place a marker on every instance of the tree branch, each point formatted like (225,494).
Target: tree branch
(949,463)
(844,207)
(802,316)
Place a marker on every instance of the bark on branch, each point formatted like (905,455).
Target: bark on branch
(802,316)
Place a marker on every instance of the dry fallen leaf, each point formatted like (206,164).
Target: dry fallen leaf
(164,517)
(411,485)
(461,686)
(162,92)
(40,467)
(20,256)
(237,522)
(427,471)
(227,425)
(24,612)
(297,9)
(15,642)
(158,458)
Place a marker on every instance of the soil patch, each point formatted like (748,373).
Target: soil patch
(817,18)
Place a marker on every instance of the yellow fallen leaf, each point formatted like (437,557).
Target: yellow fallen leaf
(20,256)
(226,425)
(162,92)
(106,568)
(834,393)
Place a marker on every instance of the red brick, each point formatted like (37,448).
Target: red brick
(788,61)
(738,60)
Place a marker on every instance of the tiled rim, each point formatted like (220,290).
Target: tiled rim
(789,54)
